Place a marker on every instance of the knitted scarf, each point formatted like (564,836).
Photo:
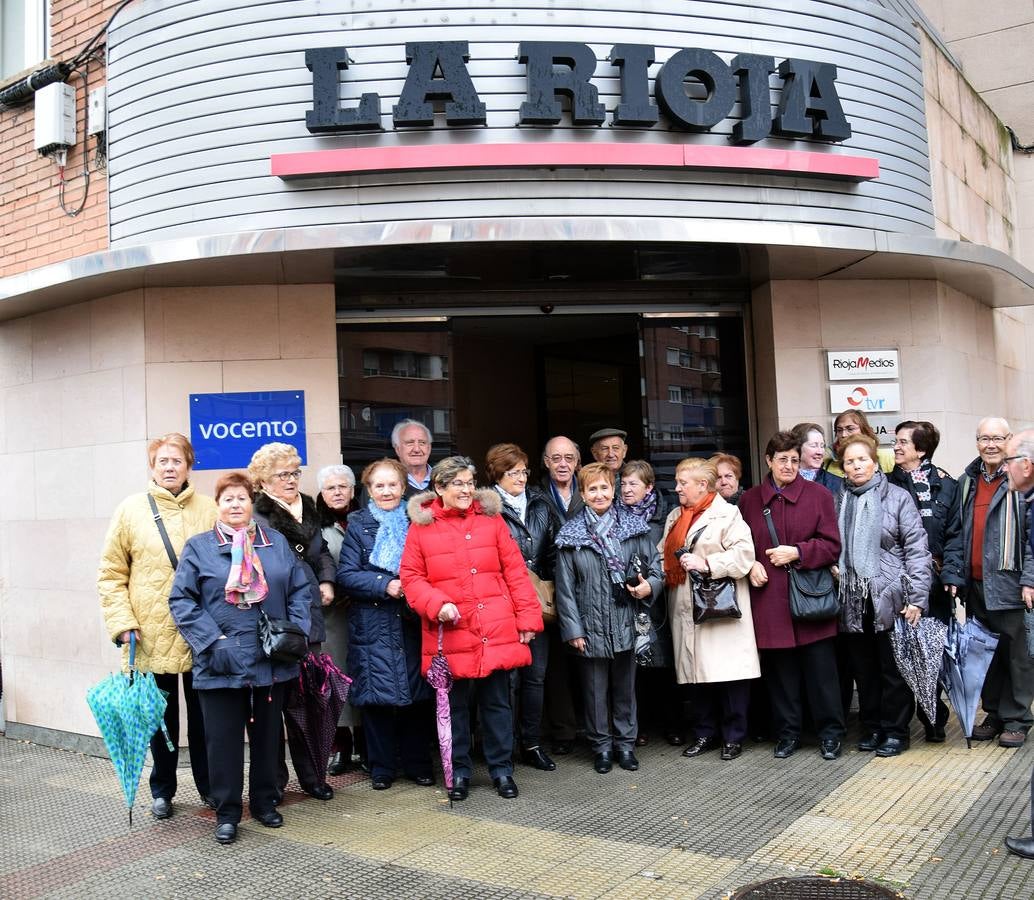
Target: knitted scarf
(921,485)
(391,536)
(646,507)
(674,574)
(1011,516)
(246,583)
(599,528)
(861,526)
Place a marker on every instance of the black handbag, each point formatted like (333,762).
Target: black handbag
(813,592)
(713,598)
(281,639)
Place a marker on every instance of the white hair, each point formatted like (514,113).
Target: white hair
(987,420)
(396,432)
(328,472)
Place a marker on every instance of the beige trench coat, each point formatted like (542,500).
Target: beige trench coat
(721,650)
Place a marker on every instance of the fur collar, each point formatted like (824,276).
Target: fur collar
(281,520)
(425,507)
(575,532)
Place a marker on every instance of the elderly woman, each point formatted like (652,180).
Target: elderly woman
(279,504)
(133,581)
(465,577)
(719,658)
(798,658)
(730,473)
(811,447)
(533,522)
(226,577)
(597,601)
(336,499)
(383,633)
(885,571)
(851,423)
(656,699)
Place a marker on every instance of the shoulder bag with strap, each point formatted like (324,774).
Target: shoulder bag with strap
(713,598)
(161,530)
(813,593)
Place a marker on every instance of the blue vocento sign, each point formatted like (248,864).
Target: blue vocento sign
(226,429)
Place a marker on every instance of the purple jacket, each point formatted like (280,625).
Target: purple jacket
(803,516)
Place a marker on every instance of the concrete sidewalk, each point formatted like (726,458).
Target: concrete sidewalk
(928,824)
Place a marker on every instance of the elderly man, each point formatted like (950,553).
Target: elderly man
(608,447)
(1019,464)
(412,443)
(561,459)
(996,566)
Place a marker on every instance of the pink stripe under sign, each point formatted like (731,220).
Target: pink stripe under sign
(549,154)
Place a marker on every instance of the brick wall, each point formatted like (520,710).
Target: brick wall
(33,229)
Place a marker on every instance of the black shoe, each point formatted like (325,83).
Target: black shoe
(339,764)
(830,749)
(731,750)
(674,738)
(562,748)
(892,747)
(988,730)
(226,833)
(786,747)
(505,787)
(271,819)
(641,740)
(603,762)
(870,742)
(536,758)
(381,782)
(627,760)
(422,780)
(460,788)
(934,734)
(321,792)
(1021,846)
(161,808)
(700,745)
(210,802)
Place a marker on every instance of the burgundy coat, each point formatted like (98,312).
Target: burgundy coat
(804,517)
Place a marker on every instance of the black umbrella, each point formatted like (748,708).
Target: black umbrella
(919,655)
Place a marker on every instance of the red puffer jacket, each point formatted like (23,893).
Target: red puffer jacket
(469,558)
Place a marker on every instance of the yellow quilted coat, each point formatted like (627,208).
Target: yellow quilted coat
(135,575)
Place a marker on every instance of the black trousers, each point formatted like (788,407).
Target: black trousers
(228,712)
(885,702)
(163,772)
(815,667)
(398,734)
(559,717)
(492,694)
(720,708)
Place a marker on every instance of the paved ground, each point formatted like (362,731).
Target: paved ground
(928,824)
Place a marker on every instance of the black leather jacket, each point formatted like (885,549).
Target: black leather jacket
(537,536)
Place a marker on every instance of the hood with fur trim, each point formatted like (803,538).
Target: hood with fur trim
(425,507)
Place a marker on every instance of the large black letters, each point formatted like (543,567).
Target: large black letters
(755,104)
(327,114)
(712,73)
(545,82)
(464,107)
(635,107)
(809,106)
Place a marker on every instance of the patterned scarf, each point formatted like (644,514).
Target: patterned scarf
(391,536)
(861,527)
(246,583)
(674,574)
(921,486)
(599,528)
(646,507)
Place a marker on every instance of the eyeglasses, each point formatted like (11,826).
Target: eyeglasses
(902,442)
(849,429)
(462,485)
(562,457)
(1010,459)
(984,439)
(288,476)
(786,460)
(518,473)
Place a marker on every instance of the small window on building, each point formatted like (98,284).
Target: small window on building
(674,394)
(24,35)
(673,356)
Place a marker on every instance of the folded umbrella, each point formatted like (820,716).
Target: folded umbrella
(967,657)
(919,655)
(128,710)
(312,708)
(440,678)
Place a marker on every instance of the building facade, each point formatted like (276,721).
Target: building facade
(506,221)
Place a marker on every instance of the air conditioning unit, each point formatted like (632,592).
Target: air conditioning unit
(55,119)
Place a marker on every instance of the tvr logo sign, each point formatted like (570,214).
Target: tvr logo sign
(867,398)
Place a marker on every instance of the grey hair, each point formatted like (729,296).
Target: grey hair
(1025,444)
(447,469)
(988,419)
(330,471)
(405,423)
(562,437)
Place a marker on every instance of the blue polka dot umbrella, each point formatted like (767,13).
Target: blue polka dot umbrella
(129,709)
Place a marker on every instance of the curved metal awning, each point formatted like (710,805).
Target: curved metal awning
(775,251)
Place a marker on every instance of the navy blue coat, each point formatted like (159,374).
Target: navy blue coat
(383,633)
(200,611)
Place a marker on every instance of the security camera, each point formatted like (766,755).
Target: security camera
(547,308)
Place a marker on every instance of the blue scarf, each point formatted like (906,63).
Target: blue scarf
(391,536)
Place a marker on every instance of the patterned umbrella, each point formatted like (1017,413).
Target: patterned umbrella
(919,653)
(128,709)
(313,707)
(967,657)
(440,678)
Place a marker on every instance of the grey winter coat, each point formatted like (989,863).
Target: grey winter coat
(906,566)
(585,602)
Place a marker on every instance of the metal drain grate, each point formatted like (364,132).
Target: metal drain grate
(812,887)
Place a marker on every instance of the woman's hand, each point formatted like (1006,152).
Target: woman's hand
(835,572)
(578,644)
(525,637)
(757,575)
(326,593)
(449,614)
(394,588)
(693,562)
(782,555)
(124,637)
(640,591)
(912,614)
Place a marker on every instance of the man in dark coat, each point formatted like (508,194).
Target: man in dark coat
(1019,464)
(561,459)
